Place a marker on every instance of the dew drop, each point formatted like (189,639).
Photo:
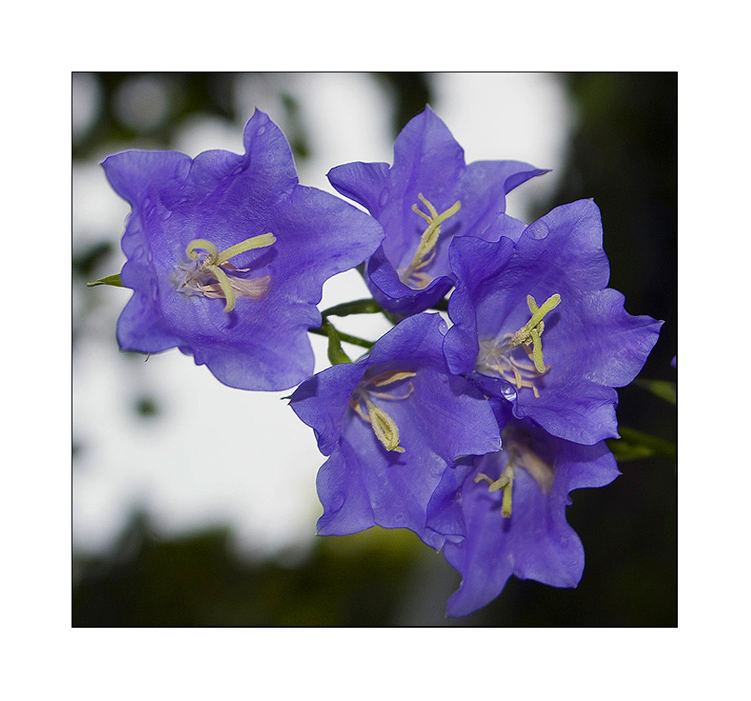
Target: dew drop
(537,230)
(261,131)
(508,391)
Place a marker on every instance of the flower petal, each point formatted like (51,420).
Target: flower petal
(362,182)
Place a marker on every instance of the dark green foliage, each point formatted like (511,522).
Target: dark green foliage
(196,580)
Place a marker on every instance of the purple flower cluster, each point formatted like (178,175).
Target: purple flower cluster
(471,436)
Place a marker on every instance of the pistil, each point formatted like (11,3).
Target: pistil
(499,357)
(504,482)
(426,250)
(518,449)
(214,263)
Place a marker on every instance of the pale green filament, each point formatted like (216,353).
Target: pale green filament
(426,249)
(504,482)
(531,332)
(214,260)
(384,427)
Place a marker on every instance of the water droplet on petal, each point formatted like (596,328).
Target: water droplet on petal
(261,131)
(508,391)
(537,230)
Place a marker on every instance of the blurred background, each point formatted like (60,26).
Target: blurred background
(170,528)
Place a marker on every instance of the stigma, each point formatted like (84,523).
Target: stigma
(414,274)
(383,425)
(519,456)
(500,357)
(206,271)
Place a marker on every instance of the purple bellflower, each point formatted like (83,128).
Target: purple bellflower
(535,325)
(227,254)
(511,508)
(424,200)
(392,423)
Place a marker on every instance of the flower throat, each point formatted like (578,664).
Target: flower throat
(384,427)
(206,273)
(414,274)
(499,358)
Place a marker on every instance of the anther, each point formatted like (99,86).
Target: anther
(384,427)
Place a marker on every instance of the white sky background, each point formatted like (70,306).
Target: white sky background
(219,455)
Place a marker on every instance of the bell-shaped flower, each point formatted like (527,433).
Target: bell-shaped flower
(227,255)
(391,424)
(535,324)
(510,507)
(424,200)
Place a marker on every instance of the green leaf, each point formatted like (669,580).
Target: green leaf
(336,352)
(635,444)
(113,280)
(663,389)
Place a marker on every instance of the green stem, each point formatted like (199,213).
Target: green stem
(354,340)
(357,306)
(337,354)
